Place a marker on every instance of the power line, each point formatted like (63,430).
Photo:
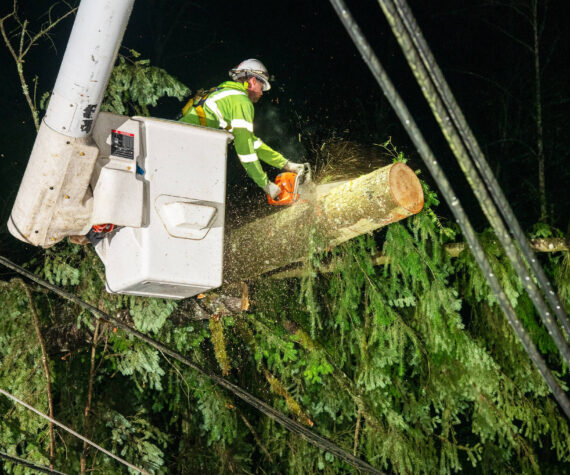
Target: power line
(445,187)
(25,463)
(463,144)
(71,431)
(432,68)
(293,426)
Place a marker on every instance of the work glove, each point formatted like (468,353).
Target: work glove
(272,190)
(293,167)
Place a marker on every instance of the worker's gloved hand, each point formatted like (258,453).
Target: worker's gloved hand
(293,167)
(272,190)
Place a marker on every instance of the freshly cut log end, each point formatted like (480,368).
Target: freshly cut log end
(341,213)
(406,188)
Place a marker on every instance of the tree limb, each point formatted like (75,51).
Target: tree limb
(92,371)
(45,364)
(24,49)
(255,436)
(46,30)
(357,432)
(453,249)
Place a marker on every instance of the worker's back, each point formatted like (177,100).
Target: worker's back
(217,107)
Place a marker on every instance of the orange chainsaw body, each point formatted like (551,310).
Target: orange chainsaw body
(287,181)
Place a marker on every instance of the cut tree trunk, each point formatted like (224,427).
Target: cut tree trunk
(330,217)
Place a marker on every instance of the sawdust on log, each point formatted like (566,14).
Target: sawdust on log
(335,160)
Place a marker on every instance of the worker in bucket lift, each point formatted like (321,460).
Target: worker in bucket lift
(230,106)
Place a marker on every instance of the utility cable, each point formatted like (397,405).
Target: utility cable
(72,432)
(444,107)
(479,158)
(431,163)
(25,463)
(293,426)
(405,34)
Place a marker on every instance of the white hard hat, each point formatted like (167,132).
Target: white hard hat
(252,67)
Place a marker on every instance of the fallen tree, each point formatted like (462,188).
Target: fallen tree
(331,216)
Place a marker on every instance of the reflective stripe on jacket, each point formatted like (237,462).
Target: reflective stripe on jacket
(230,108)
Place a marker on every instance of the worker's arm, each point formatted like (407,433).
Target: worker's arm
(248,147)
(243,142)
(241,126)
(267,154)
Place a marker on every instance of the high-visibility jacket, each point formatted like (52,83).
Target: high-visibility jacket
(228,107)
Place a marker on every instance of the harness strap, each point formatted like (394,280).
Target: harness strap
(201,114)
(198,103)
(187,107)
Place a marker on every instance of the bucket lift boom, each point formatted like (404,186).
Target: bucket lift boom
(83,172)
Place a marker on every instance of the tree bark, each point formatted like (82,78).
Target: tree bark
(329,217)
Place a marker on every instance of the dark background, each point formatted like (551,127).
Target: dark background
(321,88)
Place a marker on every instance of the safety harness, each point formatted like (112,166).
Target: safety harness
(198,103)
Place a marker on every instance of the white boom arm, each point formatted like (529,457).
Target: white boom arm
(54,199)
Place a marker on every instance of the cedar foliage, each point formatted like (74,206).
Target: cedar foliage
(412,366)
(135,85)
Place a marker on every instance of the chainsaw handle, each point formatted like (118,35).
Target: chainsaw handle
(282,200)
(287,181)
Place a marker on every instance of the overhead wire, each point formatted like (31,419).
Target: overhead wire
(26,463)
(464,146)
(472,145)
(450,197)
(291,425)
(71,431)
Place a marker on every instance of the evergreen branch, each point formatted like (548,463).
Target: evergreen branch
(454,443)
(219,344)
(180,376)
(63,442)
(514,434)
(357,431)
(71,431)
(87,410)
(309,344)
(547,245)
(255,436)
(278,388)
(14,426)
(45,364)
(25,463)
(409,330)
(104,347)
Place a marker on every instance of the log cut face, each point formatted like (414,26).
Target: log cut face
(341,213)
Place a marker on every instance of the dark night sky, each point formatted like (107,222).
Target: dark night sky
(321,80)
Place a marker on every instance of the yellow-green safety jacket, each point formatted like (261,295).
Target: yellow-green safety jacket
(228,107)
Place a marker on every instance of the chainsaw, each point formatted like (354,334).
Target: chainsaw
(293,186)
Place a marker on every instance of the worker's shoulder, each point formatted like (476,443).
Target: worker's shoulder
(234,102)
(231,89)
(231,95)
